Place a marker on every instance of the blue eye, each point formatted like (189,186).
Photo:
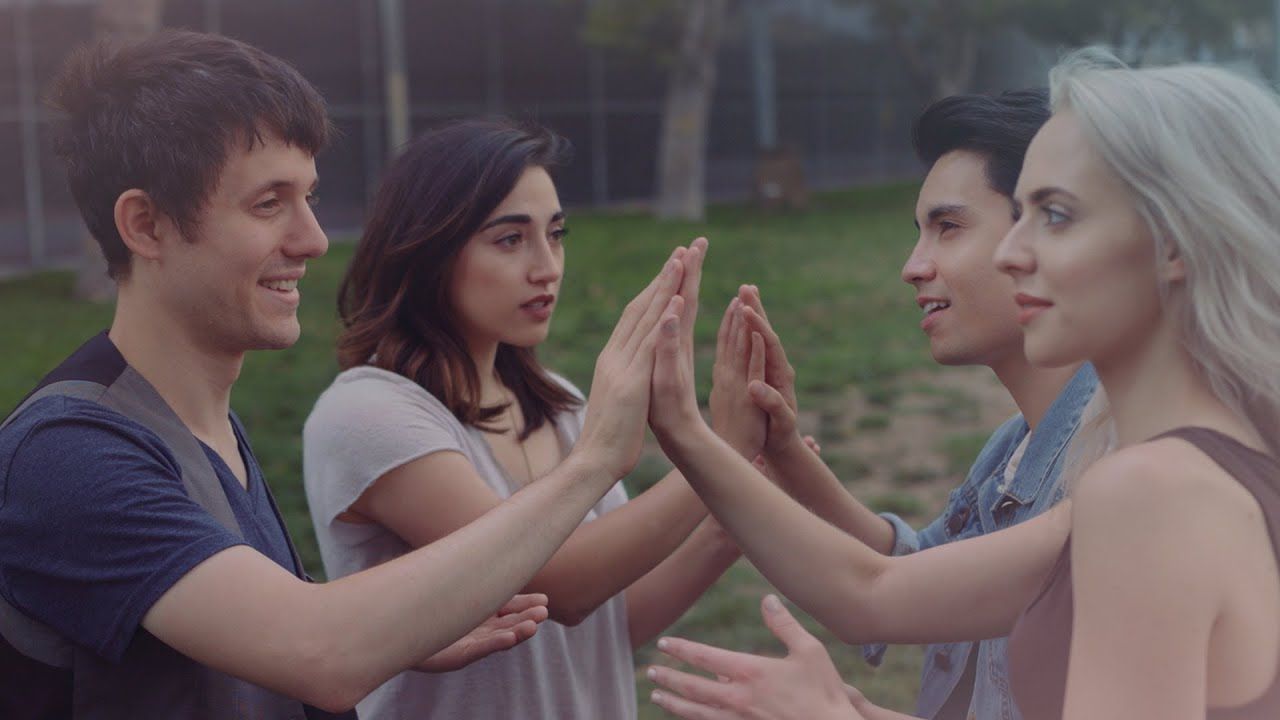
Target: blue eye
(1054,216)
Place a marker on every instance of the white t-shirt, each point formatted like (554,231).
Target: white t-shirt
(371,421)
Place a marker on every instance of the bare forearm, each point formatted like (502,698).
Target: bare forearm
(821,568)
(812,484)
(607,555)
(658,599)
(391,617)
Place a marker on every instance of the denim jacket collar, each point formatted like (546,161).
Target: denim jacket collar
(1049,441)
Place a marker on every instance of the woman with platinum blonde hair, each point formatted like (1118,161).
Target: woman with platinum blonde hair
(1145,242)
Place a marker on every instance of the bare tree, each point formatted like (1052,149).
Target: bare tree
(682,144)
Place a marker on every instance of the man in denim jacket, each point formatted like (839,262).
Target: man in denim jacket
(974,147)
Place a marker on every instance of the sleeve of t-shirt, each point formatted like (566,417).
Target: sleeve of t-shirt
(95,524)
(365,426)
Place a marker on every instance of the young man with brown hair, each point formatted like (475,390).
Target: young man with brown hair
(144,569)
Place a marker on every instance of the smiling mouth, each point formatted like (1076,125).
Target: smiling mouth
(280,285)
(935,306)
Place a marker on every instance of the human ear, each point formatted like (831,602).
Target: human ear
(141,225)
(1173,268)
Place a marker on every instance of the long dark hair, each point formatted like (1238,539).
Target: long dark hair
(394,300)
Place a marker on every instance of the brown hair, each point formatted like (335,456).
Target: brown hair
(394,300)
(161,115)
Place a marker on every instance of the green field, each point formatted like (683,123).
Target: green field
(829,279)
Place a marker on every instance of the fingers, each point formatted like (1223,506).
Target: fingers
(658,304)
(696,689)
(525,630)
(784,625)
(690,284)
(659,354)
(724,334)
(534,614)
(768,399)
(523,601)
(631,315)
(714,660)
(666,354)
(741,340)
(755,364)
(778,371)
(682,708)
(812,444)
(750,294)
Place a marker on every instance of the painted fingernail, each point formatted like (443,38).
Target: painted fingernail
(657,696)
(651,673)
(663,644)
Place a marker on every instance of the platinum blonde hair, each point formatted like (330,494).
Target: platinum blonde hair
(1199,149)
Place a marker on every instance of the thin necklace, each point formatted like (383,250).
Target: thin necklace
(515,435)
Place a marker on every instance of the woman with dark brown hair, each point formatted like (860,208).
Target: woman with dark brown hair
(442,412)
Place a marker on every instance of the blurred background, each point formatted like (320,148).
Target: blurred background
(822,88)
(777,128)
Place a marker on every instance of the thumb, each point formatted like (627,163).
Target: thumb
(769,400)
(783,624)
(667,353)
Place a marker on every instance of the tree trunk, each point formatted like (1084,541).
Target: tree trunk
(116,21)
(959,61)
(682,145)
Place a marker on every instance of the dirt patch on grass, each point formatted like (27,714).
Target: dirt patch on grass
(904,449)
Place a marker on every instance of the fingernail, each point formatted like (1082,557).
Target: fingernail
(657,696)
(772,603)
(663,644)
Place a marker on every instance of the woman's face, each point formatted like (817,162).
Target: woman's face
(507,277)
(1082,260)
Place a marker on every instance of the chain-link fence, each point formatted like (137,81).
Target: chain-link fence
(842,100)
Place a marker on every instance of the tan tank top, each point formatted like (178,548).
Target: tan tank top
(1040,644)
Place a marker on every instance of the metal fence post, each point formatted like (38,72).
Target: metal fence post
(30,118)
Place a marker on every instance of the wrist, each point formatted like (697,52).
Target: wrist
(785,448)
(682,440)
(587,464)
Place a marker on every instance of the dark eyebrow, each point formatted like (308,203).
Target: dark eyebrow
(279,184)
(938,211)
(1044,193)
(517,220)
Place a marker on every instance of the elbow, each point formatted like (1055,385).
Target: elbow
(330,679)
(332,701)
(858,615)
(570,608)
(569,615)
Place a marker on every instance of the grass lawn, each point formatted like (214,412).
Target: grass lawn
(829,278)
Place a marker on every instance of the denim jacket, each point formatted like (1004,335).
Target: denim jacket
(977,507)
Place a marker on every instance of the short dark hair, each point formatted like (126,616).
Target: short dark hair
(998,127)
(162,114)
(394,300)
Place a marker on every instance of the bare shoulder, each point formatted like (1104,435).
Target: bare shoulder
(1163,495)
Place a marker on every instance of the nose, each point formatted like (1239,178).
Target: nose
(547,261)
(1014,255)
(919,266)
(307,239)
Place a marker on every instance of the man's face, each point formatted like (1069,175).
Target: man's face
(235,284)
(969,313)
